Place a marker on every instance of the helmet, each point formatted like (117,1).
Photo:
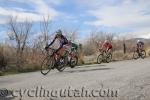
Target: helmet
(106,41)
(138,41)
(59,32)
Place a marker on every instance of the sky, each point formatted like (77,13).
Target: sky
(129,18)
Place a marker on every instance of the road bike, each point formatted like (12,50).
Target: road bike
(139,54)
(54,61)
(104,56)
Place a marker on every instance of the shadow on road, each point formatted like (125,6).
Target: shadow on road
(6,95)
(87,70)
(87,66)
(6,98)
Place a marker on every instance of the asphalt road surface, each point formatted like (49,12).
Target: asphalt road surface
(123,80)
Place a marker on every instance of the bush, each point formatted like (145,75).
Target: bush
(1,73)
(3,60)
(148,52)
(29,68)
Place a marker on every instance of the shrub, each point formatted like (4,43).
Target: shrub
(3,60)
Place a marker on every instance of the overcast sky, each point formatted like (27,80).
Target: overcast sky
(125,17)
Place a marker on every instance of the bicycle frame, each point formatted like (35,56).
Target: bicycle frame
(72,54)
(54,54)
(105,56)
(103,52)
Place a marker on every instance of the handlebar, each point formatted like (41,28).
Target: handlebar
(51,50)
(100,50)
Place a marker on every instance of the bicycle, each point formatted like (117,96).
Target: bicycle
(139,54)
(104,56)
(54,60)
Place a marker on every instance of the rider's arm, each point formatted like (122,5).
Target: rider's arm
(65,39)
(61,45)
(142,43)
(103,46)
(52,42)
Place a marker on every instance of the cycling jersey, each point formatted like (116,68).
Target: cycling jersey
(140,44)
(71,47)
(106,45)
(62,40)
(74,46)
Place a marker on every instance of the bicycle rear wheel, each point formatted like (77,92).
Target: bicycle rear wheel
(47,64)
(135,55)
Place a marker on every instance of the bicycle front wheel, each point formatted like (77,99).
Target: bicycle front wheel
(100,59)
(47,64)
(73,61)
(143,54)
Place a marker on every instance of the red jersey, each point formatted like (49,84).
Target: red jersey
(106,45)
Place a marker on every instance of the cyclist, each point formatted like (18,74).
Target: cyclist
(62,41)
(72,47)
(106,46)
(139,46)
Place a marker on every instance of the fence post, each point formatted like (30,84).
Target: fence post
(124,48)
(81,54)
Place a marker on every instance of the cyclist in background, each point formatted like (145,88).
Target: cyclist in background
(72,46)
(139,46)
(106,46)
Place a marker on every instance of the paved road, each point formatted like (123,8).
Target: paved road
(124,80)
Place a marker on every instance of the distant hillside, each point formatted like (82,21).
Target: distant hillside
(135,39)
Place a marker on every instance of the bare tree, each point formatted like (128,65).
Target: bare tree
(110,36)
(3,59)
(96,37)
(19,31)
(45,26)
(72,34)
(41,40)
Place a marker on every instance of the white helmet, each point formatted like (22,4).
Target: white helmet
(59,32)
(138,41)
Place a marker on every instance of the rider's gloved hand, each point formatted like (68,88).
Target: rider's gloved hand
(46,47)
(100,49)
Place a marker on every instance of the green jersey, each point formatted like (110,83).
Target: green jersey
(74,47)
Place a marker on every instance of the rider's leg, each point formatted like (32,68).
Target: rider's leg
(142,47)
(138,51)
(109,51)
(58,52)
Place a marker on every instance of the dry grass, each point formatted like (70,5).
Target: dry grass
(119,55)
(148,51)
(33,57)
